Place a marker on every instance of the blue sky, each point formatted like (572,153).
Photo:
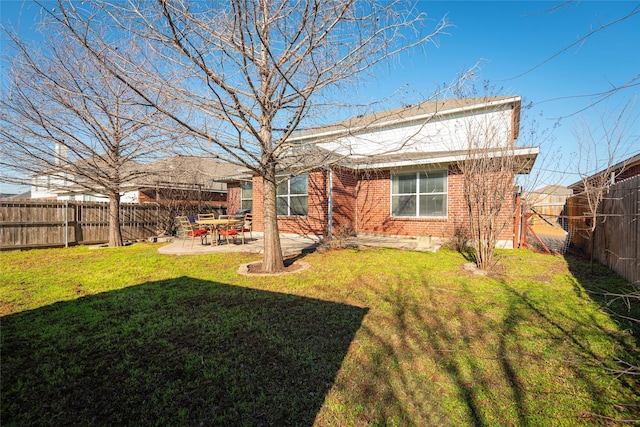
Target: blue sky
(512,40)
(509,39)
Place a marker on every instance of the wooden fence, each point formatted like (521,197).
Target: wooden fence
(617,235)
(32,224)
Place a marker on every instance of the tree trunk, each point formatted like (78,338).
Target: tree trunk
(593,246)
(115,231)
(272,261)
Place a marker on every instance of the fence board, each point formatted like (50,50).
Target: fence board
(617,235)
(30,224)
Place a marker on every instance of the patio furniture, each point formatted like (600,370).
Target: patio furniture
(207,216)
(229,230)
(190,230)
(247,225)
(204,217)
(221,226)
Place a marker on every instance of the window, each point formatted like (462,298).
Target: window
(292,196)
(246,196)
(419,194)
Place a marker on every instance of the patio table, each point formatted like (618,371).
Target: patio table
(215,223)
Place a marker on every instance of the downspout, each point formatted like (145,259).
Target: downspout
(517,221)
(330,205)
(356,189)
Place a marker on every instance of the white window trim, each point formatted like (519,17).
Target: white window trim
(242,198)
(288,196)
(417,194)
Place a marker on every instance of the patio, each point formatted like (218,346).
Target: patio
(294,244)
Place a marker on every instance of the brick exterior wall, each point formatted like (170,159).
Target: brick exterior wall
(344,201)
(374,209)
(314,224)
(233,197)
(362,202)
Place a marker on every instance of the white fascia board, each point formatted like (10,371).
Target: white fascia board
(523,151)
(389,123)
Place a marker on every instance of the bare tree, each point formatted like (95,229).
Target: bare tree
(248,73)
(66,120)
(488,166)
(601,145)
(613,89)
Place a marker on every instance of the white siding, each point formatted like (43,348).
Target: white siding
(487,129)
(130,197)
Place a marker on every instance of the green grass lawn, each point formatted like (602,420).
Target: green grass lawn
(363,338)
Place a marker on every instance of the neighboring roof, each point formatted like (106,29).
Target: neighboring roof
(406,114)
(173,172)
(21,196)
(553,190)
(188,171)
(616,169)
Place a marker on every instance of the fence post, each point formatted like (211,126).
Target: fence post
(66,223)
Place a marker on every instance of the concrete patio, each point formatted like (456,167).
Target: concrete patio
(294,244)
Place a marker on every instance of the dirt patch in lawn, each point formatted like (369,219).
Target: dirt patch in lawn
(255,268)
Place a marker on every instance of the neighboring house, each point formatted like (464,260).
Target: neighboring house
(392,172)
(620,171)
(175,179)
(548,200)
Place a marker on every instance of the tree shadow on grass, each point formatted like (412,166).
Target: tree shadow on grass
(453,356)
(176,352)
(612,293)
(619,300)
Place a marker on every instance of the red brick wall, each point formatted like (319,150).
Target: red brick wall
(233,197)
(144,197)
(363,202)
(344,200)
(374,209)
(257,204)
(314,223)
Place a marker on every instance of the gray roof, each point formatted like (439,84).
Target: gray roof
(553,190)
(188,171)
(173,172)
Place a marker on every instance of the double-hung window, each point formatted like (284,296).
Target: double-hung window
(419,194)
(292,196)
(246,196)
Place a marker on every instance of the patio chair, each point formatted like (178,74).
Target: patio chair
(247,225)
(208,216)
(229,230)
(210,228)
(190,230)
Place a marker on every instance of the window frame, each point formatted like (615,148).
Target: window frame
(417,193)
(244,199)
(288,196)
